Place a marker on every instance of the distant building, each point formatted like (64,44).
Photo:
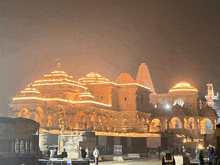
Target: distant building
(126,112)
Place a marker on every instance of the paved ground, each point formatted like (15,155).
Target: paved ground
(151,160)
(132,162)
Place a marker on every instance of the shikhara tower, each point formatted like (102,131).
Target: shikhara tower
(143,77)
(211,96)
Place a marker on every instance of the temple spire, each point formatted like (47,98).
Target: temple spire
(58,66)
(143,77)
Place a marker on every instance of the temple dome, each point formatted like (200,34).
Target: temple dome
(93,77)
(124,78)
(30,91)
(86,96)
(56,77)
(183,87)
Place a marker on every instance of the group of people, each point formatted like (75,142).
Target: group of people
(54,153)
(212,156)
(64,153)
(95,154)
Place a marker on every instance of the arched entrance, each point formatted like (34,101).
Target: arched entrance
(24,112)
(175,123)
(191,123)
(155,125)
(206,126)
(179,102)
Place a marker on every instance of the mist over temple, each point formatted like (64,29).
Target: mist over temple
(126,109)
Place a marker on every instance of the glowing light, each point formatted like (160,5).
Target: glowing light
(64,83)
(30,90)
(167,106)
(183,86)
(58,99)
(122,84)
(85,94)
(184,140)
(93,77)
(130,134)
(200,146)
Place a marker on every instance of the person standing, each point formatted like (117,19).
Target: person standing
(214,157)
(146,151)
(64,154)
(159,151)
(172,151)
(211,151)
(47,152)
(197,154)
(96,155)
(168,159)
(83,153)
(54,153)
(201,160)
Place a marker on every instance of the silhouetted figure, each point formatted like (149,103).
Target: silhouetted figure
(159,151)
(146,151)
(64,154)
(214,157)
(197,154)
(201,160)
(83,153)
(172,151)
(47,152)
(168,159)
(211,151)
(54,153)
(186,159)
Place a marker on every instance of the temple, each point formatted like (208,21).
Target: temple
(126,112)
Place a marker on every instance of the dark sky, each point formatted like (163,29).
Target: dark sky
(178,40)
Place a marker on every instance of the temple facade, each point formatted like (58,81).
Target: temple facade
(116,111)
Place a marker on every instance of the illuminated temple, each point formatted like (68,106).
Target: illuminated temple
(127,112)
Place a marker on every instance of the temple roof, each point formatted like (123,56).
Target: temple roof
(56,77)
(30,91)
(208,111)
(183,86)
(86,96)
(124,78)
(93,77)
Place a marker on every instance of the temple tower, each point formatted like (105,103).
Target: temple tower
(144,78)
(211,97)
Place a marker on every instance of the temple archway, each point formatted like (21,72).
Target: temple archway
(125,122)
(39,114)
(155,125)
(179,101)
(175,123)
(206,126)
(143,121)
(24,112)
(191,123)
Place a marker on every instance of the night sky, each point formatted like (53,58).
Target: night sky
(178,40)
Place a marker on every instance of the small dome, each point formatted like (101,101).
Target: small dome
(183,87)
(93,77)
(124,78)
(30,91)
(86,96)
